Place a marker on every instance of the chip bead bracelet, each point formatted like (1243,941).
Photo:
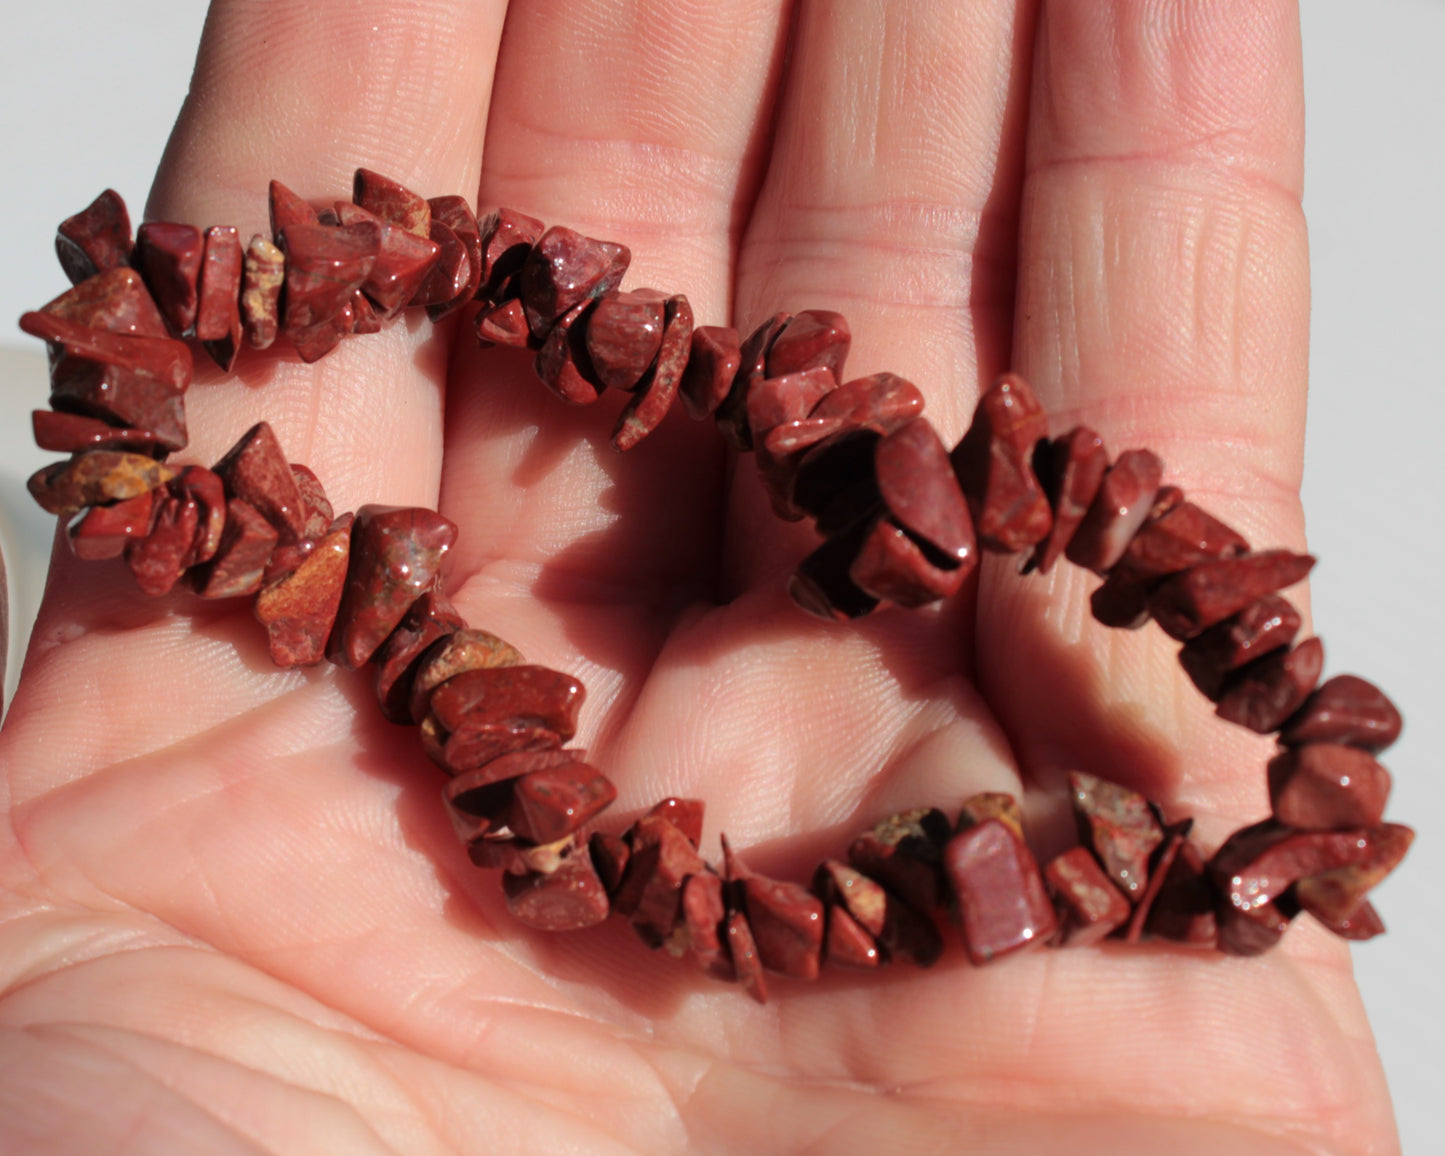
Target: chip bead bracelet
(902,520)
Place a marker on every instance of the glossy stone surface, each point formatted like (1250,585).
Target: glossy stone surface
(891,566)
(731,414)
(1176,539)
(450,273)
(461,650)
(1174,839)
(168,257)
(711,366)
(507,239)
(403,261)
(881,402)
(73,432)
(486,791)
(324,267)
(454,212)
(550,804)
(994,464)
(391,201)
(623,336)
(1183,909)
(997,892)
(256,469)
(1076,466)
(650,895)
(1345,709)
(95,479)
(846,944)
(865,900)
(563,364)
(743,950)
(218,299)
(568,899)
(298,608)
(1327,786)
(504,324)
(1210,592)
(158,559)
(917,485)
(315,505)
(813,338)
(654,394)
(610,854)
(239,564)
(263,272)
(787,925)
(1125,497)
(904,853)
(1258,629)
(684,814)
(704,915)
(1262,695)
(202,486)
(1089,906)
(1362,923)
(288,209)
(103,531)
(96,239)
(429,621)
(563,269)
(1334,896)
(116,301)
(487,713)
(395,554)
(1119,826)
(786,398)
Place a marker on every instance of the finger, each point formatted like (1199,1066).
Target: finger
(640,123)
(1163,301)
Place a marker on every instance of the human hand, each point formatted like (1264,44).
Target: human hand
(261,904)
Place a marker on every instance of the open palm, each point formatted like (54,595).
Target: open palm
(235,917)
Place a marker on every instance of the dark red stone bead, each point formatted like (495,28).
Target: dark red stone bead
(103,531)
(1174,840)
(846,944)
(1361,924)
(917,485)
(168,256)
(504,324)
(1119,826)
(72,433)
(1076,466)
(1183,909)
(823,584)
(568,899)
(288,209)
(430,619)
(1327,786)
(491,712)
(256,469)
(610,854)
(744,952)
(732,412)
(115,300)
(881,402)
(158,559)
(711,366)
(365,318)
(263,272)
(96,239)
(1210,592)
(623,336)
(787,925)
(450,274)
(324,266)
(1345,709)
(1089,906)
(1258,629)
(461,649)
(1176,539)
(998,892)
(1263,694)
(403,261)
(1334,896)
(1122,603)
(563,269)
(865,899)
(507,238)
(550,804)
(788,398)
(218,301)
(650,894)
(314,504)
(391,201)
(654,394)
(1125,497)
(97,478)
(240,561)
(836,482)
(395,554)
(202,486)
(684,814)
(891,565)
(563,364)
(704,914)
(454,212)
(1250,932)
(994,464)
(904,853)
(298,608)
(813,338)
(486,791)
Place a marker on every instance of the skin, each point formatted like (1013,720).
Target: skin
(234,915)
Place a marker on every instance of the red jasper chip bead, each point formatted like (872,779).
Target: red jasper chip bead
(116,301)
(96,239)
(168,257)
(391,201)
(1124,499)
(814,338)
(847,944)
(1258,629)
(504,324)
(1262,695)
(403,261)
(239,564)
(256,469)
(881,402)
(395,554)
(288,209)
(454,212)
(1076,465)
(95,479)
(654,394)
(158,559)
(684,814)
(563,364)
(786,398)
(1336,896)
(205,488)
(103,531)
(904,853)
(1327,786)
(298,608)
(461,649)
(1362,923)
(994,463)
(485,792)
(1176,539)
(610,854)
(711,366)
(263,272)
(568,899)
(550,804)
(1174,840)
(1184,905)
(1210,592)
(74,433)
(918,487)
(218,300)
(1119,826)
(1345,709)
(732,412)
(624,334)
(743,949)
(891,565)
(450,273)
(325,265)
(1089,906)
(507,239)
(998,892)
(430,619)
(487,713)
(704,914)
(787,926)
(563,269)
(661,860)
(314,504)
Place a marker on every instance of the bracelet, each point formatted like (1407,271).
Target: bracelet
(902,520)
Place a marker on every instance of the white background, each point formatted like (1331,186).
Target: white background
(90,90)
